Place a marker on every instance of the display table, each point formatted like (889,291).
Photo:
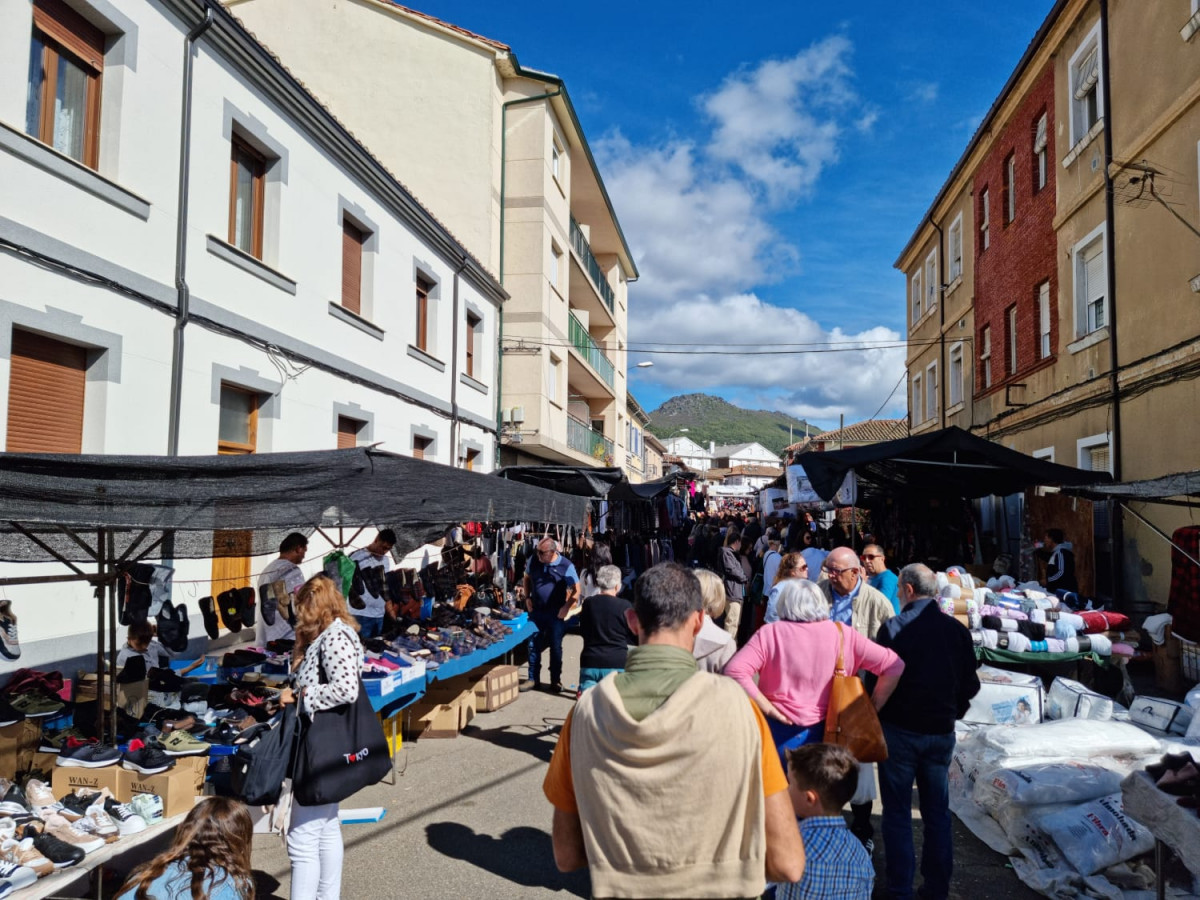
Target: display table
(52,885)
(1170,823)
(984,654)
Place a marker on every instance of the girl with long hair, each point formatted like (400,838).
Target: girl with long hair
(208,860)
(327,660)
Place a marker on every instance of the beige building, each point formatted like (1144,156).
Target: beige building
(1086,331)
(497,152)
(655,452)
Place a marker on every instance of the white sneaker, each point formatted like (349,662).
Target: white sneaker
(8,828)
(101,823)
(14,877)
(77,834)
(148,806)
(127,820)
(23,853)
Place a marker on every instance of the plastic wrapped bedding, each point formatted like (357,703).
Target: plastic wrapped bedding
(1069,699)
(1097,834)
(1037,785)
(1165,715)
(1082,738)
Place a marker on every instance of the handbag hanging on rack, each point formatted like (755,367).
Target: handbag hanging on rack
(851,720)
(341,751)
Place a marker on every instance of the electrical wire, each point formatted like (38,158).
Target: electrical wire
(903,375)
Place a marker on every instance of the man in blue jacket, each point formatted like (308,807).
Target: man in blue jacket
(550,589)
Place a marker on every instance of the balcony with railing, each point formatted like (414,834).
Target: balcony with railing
(595,273)
(582,438)
(590,351)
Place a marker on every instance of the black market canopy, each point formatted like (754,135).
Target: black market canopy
(579,481)
(949,462)
(65,508)
(1180,489)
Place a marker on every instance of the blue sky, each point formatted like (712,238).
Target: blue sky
(767,167)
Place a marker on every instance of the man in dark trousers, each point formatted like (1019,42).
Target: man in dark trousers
(935,690)
(550,588)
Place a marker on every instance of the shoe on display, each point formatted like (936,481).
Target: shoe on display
(13,802)
(146,759)
(148,806)
(10,647)
(74,805)
(184,723)
(14,877)
(76,834)
(127,820)
(8,828)
(55,849)
(36,706)
(41,800)
(245,596)
(23,853)
(53,743)
(180,743)
(9,715)
(101,823)
(225,733)
(208,611)
(87,754)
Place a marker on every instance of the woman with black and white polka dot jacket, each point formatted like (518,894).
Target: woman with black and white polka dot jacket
(327,660)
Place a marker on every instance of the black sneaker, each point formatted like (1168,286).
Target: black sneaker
(145,759)
(225,733)
(208,611)
(230,606)
(79,803)
(57,851)
(246,604)
(87,754)
(9,715)
(14,803)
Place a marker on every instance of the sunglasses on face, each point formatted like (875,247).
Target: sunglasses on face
(871,556)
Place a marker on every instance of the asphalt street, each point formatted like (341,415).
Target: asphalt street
(467,818)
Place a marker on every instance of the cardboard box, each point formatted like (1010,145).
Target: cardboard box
(496,687)
(430,719)
(179,787)
(18,744)
(68,778)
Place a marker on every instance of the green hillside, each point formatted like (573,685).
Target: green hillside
(709,418)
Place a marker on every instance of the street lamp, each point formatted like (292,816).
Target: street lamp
(644,364)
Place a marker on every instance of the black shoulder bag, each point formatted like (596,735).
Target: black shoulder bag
(341,751)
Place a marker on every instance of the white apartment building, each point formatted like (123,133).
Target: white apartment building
(263,285)
(729,456)
(691,454)
(498,153)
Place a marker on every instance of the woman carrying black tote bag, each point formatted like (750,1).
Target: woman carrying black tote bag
(327,659)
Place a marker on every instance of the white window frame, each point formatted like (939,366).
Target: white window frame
(917,297)
(556,153)
(918,400)
(1080,303)
(1084,444)
(1012,360)
(931,279)
(985,224)
(1010,170)
(932,400)
(985,354)
(1043,313)
(956,366)
(556,265)
(1041,138)
(1045,453)
(956,252)
(552,379)
(1079,129)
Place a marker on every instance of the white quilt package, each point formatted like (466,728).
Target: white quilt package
(1049,797)
(1006,698)
(1071,700)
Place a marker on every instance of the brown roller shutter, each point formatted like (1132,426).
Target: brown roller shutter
(347,435)
(352,245)
(45,395)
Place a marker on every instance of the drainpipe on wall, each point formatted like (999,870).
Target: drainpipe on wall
(454,364)
(1116,528)
(941,321)
(183,301)
(503,182)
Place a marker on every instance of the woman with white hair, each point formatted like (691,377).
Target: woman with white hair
(794,660)
(605,631)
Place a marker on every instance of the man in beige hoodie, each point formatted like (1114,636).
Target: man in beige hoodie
(622,781)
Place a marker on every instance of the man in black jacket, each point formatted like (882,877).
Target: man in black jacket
(936,688)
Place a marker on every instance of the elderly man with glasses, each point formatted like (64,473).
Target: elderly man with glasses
(854,602)
(550,589)
(879,576)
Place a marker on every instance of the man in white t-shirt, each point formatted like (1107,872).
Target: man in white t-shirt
(285,569)
(374,562)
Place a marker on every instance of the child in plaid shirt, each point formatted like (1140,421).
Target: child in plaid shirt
(821,780)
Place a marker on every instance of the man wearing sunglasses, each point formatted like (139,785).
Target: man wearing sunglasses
(855,603)
(549,589)
(879,576)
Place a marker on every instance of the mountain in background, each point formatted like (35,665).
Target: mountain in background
(708,418)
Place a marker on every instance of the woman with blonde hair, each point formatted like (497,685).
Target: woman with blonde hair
(327,660)
(714,645)
(793,565)
(209,859)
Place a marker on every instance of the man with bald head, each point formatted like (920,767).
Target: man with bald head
(855,603)
(550,588)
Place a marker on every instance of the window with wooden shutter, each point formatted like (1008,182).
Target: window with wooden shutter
(352,253)
(422,338)
(473,323)
(47,380)
(421,446)
(247,198)
(470,459)
(66,62)
(237,430)
(348,431)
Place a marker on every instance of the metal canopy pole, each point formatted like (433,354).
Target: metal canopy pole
(1162,534)
(100,680)
(109,556)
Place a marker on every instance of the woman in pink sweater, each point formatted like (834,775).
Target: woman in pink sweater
(794,660)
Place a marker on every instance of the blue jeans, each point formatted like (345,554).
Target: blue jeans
(925,759)
(550,631)
(369,626)
(789,737)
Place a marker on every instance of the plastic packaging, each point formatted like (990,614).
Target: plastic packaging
(1064,782)
(1081,738)
(1165,715)
(1071,700)
(1098,834)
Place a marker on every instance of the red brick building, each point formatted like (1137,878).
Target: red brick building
(1016,290)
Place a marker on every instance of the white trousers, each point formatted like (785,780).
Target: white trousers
(314,844)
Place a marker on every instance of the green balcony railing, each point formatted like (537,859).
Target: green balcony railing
(579,242)
(582,341)
(581,437)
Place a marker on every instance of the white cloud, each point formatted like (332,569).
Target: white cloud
(818,385)
(923,92)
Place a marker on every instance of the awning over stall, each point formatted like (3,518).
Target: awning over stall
(53,507)
(581,481)
(1181,489)
(946,462)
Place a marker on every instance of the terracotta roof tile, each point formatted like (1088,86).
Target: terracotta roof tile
(444,24)
(872,431)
